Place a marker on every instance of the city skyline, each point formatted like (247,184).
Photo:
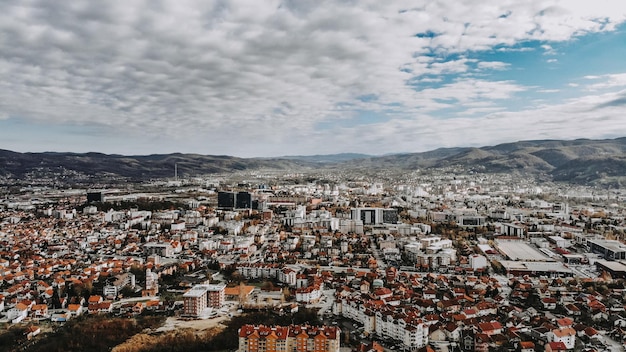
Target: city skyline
(272,78)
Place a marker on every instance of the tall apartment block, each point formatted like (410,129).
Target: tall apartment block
(201,297)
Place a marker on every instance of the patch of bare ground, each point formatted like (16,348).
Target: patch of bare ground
(173,323)
(147,341)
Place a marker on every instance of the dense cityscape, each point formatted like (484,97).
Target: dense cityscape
(313,176)
(422,261)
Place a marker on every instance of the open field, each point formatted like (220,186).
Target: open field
(173,323)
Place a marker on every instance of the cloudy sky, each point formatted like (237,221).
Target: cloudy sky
(268,78)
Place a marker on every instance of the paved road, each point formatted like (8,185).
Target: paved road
(325,304)
(133,299)
(376,252)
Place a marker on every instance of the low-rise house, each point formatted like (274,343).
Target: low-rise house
(75,309)
(39,310)
(526,346)
(100,308)
(32,331)
(572,309)
(60,317)
(95,299)
(555,347)
(153,305)
(548,303)
(453,332)
(592,334)
(490,328)
(17,313)
(565,335)
(309,294)
(138,308)
(437,335)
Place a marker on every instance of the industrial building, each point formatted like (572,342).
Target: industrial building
(610,249)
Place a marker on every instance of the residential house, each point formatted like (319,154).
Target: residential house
(526,346)
(18,313)
(555,347)
(32,331)
(39,310)
(565,335)
(75,309)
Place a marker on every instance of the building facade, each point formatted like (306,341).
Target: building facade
(232,200)
(226,200)
(610,249)
(201,297)
(293,338)
(374,216)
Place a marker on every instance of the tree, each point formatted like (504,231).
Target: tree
(267,286)
(84,290)
(71,290)
(236,277)
(139,272)
(286,293)
(127,291)
(533,300)
(56,301)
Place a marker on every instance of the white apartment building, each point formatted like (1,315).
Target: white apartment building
(384,321)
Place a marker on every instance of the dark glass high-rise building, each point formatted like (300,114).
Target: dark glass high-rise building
(94,197)
(390,216)
(226,200)
(374,216)
(243,200)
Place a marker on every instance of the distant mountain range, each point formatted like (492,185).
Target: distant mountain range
(20,165)
(581,161)
(328,158)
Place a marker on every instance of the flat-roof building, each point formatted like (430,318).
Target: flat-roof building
(616,269)
(550,269)
(374,216)
(518,250)
(201,297)
(610,249)
(510,229)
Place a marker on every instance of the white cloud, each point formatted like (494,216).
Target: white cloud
(577,118)
(197,72)
(548,50)
(481,111)
(471,90)
(507,49)
(607,81)
(493,65)
(549,90)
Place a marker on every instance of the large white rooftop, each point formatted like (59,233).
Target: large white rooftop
(615,266)
(199,290)
(518,250)
(535,266)
(612,245)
